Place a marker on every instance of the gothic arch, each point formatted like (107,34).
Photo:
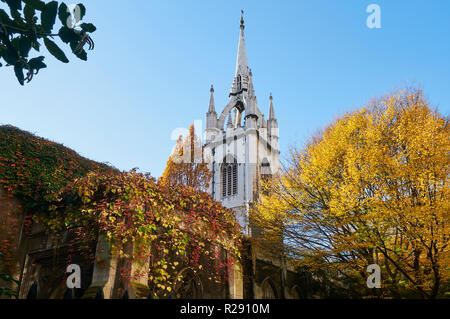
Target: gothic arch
(190,287)
(234,103)
(57,290)
(265,167)
(229,159)
(295,292)
(268,289)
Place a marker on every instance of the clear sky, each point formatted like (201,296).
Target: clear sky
(154,62)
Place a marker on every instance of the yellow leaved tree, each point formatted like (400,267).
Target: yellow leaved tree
(371,188)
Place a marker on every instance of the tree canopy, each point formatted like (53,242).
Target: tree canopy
(371,188)
(186,166)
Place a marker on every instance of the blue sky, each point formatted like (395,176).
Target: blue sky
(154,62)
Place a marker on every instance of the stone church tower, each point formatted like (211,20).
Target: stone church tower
(241,147)
(240,144)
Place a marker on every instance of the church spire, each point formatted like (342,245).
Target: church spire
(240,80)
(241,61)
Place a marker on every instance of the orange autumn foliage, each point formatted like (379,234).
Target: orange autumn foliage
(186,165)
(372,188)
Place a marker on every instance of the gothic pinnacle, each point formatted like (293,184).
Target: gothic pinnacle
(271,110)
(230,121)
(211,101)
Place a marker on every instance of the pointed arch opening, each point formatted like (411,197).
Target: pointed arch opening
(268,289)
(265,167)
(190,287)
(234,104)
(295,292)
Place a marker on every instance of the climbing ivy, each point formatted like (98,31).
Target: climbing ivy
(144,221)
(10,281)
(32,171)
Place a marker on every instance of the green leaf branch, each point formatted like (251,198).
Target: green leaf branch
(31,21)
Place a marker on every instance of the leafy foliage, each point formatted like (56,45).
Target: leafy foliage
(7,279)
(373,187)
(32,170)
(186,165)
(167,227)
(22,30)
(143,221)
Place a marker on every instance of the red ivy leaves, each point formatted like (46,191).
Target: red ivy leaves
(135,214)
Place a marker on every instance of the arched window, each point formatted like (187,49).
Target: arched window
(295,292)
(268,292)
(190,287)
(265,167)
(239,82)
(229,177)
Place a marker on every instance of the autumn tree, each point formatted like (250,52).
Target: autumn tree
(31,23)
(372,188)
(186,165)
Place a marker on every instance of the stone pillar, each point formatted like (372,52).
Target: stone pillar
(105,270)
(236,282)
(139,288)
